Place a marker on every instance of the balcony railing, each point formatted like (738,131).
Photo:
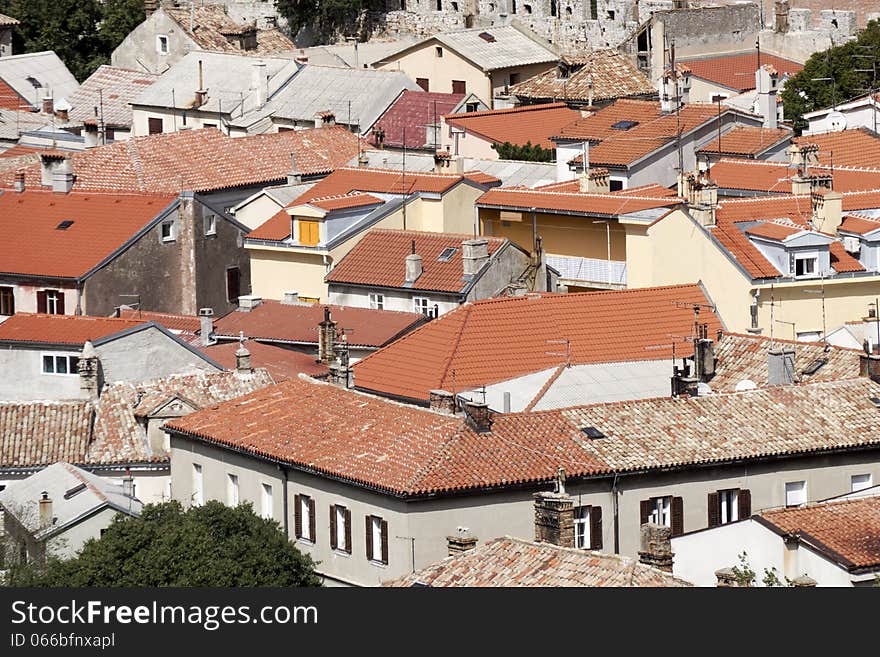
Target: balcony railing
(589,271)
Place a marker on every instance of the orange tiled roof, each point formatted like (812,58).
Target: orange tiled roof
(498,339)
(776,176)
(842,261)
(773,230)
(847,148)
(859,225)
(746,140)
(281,363)
(848,531)
(738,71)
(171,321)
(61,329)
(557,201)
(32,244)
(273,321)
(379,260)
(343,201)
(518,125)
(204,160)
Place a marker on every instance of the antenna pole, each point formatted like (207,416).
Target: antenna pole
(403,177)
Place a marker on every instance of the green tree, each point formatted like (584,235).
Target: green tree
(525,152)
(209,545)
(326,17)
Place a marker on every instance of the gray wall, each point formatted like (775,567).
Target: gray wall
(147,354)
(23,378)
(138,50)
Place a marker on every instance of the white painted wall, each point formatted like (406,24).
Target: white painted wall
(344,295)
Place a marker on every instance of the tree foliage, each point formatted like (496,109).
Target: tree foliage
(846,64)
(526,152)
(83,33)
(209,545)
(326,17)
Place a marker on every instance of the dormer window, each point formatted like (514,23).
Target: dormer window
(805,265)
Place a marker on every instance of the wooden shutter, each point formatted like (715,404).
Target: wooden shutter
(595,527)
(60,303)
(297,515)
(311,519)
(333,544)
(348,530)
(459,87)
(714,503)
(384,541)
(744,501)
(369,537)
(677,513)
(41,301)
(644,511)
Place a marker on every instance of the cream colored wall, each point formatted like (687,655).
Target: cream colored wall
(466,144)
(703,90)
(257,212)
(276,270)
(422,62)
(172,121)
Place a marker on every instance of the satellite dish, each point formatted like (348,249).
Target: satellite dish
(703,389)
(837,121)
(746,384)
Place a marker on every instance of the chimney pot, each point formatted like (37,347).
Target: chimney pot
(441,400)
(20,181)
(461,542)
(656,546)
(474,254)
(478,416)
(89,372)
(45,510)
(327,339)
(206,318)
(554,519)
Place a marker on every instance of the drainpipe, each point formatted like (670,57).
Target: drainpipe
(614,502)
(284,500)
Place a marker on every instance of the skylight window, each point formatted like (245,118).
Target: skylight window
(64,225)
(74,491)
(488,38)
(815,366)
(592,433)
(624,125)
(447,254)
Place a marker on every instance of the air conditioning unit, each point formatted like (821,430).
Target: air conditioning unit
(852,244)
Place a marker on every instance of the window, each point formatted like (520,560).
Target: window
(512,6)
(527,8)
(594,10)
(420,305)
(7,301)
(166,231)
(233,284)
(860,482)
(266,501)
(232,490)
(340,528)
(454,5)
(60,364)
(610,14)
(554,7)
(615,185)
(667,511)
(211,224)
(377,539)
(729,506)
(459,87)
(198,494)
(377,301)
(513,78)
(309,232)
(154,126)
(162,44)
(472,107)
(795,493)
(423,83)
(304,517)
(588,527)
(50,302)
(438,51)
(804,266)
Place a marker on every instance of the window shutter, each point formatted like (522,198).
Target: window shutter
(369,537)
(644,511)
(385,541)
(744,501)
(312,519)
(595,527)
(297,515)
(677,516)
(41,301)
(333,544)
(60,303)
(348,530)
(714,509)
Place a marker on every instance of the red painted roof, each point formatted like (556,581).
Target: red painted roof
(379,260)
(738,71)
(281,363)
(518,125)
(746,140)
(275,321)
(555,201)
(497,339)
(848,148)
(412,112)
(61,329)
(32,244)
(204,160)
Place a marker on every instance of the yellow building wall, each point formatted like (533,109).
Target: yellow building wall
(422,62)
(275,271)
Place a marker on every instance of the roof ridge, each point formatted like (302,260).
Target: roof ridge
(507,110)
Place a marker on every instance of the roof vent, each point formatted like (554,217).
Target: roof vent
(64,225)
(875,401)
(488,38)
(74,491)
(592,433)
(624,125)
(446,254)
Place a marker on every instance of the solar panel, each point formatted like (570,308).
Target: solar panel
(446,254)
(624,125)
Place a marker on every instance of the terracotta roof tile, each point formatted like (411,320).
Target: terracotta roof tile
(518,125)
(409,115)
(184,323)
(773,230)
(514,562)
(42,433)
(61,329)
(210,24)
(275,321)
(841,261)
(498,339)
(102,223)
(859,225)
(279,362)
(776,176)
(738,71)
(557,201)
(111,89)
(746,140)
(379,260)
(344,201)
(848,529)
(847,148)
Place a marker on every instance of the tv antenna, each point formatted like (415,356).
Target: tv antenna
(566,354)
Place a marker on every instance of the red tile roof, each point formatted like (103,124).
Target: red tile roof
(738,71)
(842,261)
(32,244)
(409,115)
(746,140)
(273,321)
(848,531)
(346,180)
(204,160)
(281,363)
(571,202)
(776,176)
(518,125)
(773,230)
(379,260)
(61,329)
(184,323)
(9,98)
(498,339)
(344,201)
(859,225)
(848,148)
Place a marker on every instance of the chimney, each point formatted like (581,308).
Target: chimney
(460,542)
(150,6)
(295,175)
(326,338)
(206,333)
(803,156)
(554,519)
(441,400)
(596,181)
(669,92)
(325,119)
(62,177)
(767,86)
(48,103)
(869,366)
(90,133)
(128,484)
(242,358)
(248,302)
(827,210)
(20,181)
(45,510)
(413,266)
(704,359)
(656,546)
(780,367)
(704,193)
(474,254)
(477,416)
(259,84)
(291,298)
(87,368)
(49,162)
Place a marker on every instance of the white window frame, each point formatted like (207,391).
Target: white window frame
(582,538)
(69,359)
(728,500)
(376,530)
(52,300)
(377,301)
(305,516)
(172,235)
(210,224)
(661,514)
(866,480)
(233,497)
(417,303)
(198,485)
(162,44)
(341,529)
(806,258)
(794,491)
(266,501)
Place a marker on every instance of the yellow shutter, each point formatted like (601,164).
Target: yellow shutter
(309,233)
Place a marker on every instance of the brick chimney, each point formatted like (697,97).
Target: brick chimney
(554,519)
(827,210)
(206,318)
(89,372)
(46,519)
(48,106)
(478,416)
(19,184)
(474,254)
(656,546)
(441,400)
(460,542)
(326,338)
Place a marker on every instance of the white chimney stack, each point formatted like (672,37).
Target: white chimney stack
(259,84)
(766,86)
